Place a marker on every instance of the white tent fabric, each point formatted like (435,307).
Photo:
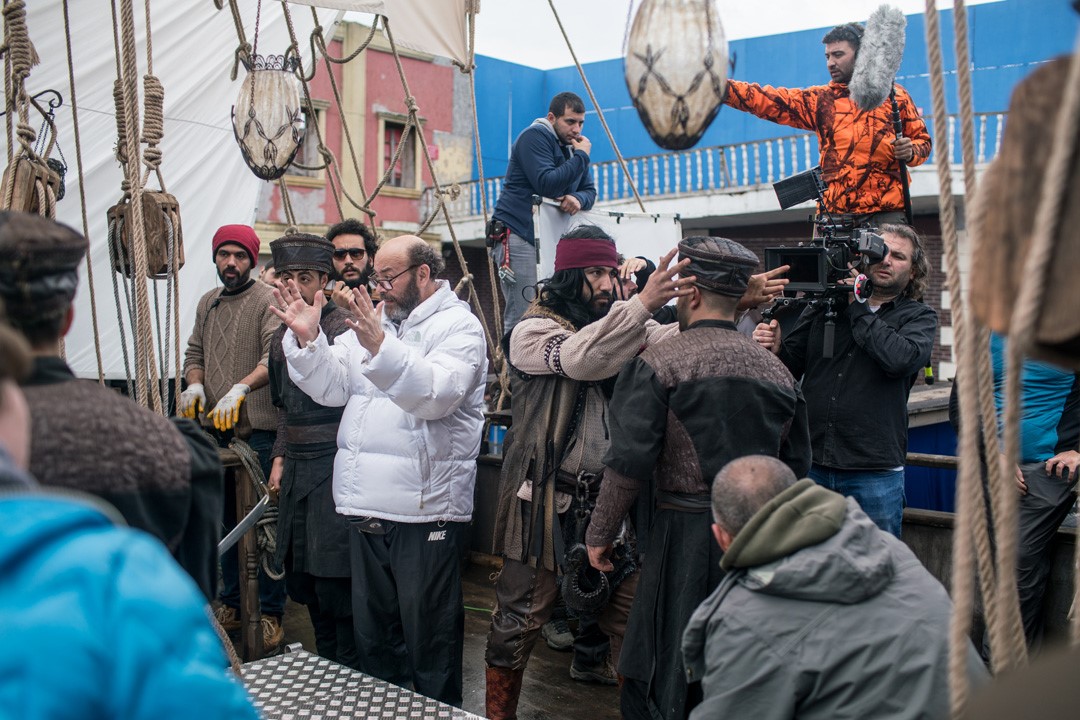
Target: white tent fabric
(193,48)
(438,28)
(636,234)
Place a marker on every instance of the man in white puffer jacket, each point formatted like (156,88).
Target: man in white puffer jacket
(411,377)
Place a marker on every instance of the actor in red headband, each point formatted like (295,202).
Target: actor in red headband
(564,353)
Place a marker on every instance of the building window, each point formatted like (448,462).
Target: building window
(308,154)
(403,174)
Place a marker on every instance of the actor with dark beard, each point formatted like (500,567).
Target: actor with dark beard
(569,342)
(410,377)
(354,255)
(226,369)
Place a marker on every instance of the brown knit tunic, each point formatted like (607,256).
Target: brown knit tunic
(163,475)
(231,336)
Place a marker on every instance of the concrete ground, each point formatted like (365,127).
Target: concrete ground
(547,690)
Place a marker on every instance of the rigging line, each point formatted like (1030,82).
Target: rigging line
(355,53)
(312,112)
(483,184)
(22,56)
(174,220)
(413,111)
(967,493)
(82,195)
(599,110)
(117,259)
(497,357)
(317,36)
(146,370)
(9,105)
(1002,493)
(972,532)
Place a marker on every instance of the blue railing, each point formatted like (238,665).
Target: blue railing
(720,168)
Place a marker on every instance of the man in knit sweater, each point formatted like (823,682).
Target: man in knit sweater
(226,372)
(163,476)
(679,412)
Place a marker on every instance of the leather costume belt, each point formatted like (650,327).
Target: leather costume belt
(683,502)
(307,434)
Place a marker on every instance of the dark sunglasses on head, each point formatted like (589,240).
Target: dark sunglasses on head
(354,253)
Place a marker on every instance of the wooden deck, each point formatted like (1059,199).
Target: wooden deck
(547,691)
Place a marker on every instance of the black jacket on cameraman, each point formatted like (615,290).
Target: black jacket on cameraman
(857,399)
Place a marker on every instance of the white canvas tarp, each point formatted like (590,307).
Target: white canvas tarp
(636,234)
(437,28)
(193,48)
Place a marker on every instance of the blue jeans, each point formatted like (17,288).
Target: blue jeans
(519,294)
(880,493)
(271,592)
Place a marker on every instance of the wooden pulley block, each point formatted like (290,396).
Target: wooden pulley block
(26,175)
(1002,221)
(161,215)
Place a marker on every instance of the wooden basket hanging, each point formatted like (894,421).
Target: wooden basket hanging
(267,120)
(28,176)
(676,69)
(160,212)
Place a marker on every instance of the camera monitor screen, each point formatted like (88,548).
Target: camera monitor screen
(808,272)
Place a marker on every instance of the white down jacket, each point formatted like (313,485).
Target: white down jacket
(414,412)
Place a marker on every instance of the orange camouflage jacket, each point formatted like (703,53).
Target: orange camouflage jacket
(857,160)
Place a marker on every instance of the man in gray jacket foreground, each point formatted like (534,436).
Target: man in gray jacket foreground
(820,615)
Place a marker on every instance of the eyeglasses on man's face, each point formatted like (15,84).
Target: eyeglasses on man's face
(388,282)
(354,253)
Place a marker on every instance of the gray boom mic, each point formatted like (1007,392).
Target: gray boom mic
(879,57)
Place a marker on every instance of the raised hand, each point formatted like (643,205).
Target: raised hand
(630,266)
(764,288)
(368,324)
(581,144)
(290,306)
(662,286)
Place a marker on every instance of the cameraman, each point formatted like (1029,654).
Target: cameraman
(859,150)
(857,399)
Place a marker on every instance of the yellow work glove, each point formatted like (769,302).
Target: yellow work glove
(192,400)
(227,412)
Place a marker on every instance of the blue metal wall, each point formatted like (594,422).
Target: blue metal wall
(1007,40)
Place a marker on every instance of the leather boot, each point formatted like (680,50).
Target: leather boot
(503,691)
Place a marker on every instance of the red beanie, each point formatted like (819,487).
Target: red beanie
(573,253)
(241,235)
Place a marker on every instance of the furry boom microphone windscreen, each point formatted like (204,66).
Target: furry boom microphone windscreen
(880,53)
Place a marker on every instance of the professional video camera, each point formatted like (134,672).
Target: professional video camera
(822,267)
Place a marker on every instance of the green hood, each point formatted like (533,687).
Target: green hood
(803,515)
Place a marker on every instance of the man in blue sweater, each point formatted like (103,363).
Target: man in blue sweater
(550,158)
